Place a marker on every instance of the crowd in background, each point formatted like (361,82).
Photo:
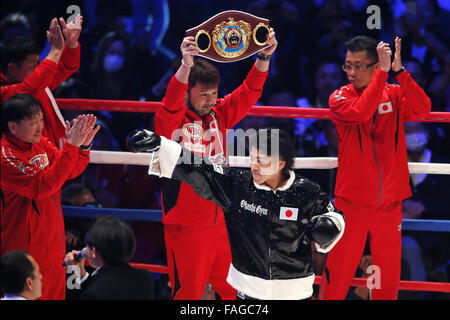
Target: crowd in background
(130,50)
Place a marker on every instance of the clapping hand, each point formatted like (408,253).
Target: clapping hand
(72,30)
(384,56)
(54,36)
(82,132)
(397,63)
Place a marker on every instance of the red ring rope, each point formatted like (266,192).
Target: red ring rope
(257,111)
(356,282)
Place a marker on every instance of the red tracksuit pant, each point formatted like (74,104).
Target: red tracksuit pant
(196,255)
(383,224)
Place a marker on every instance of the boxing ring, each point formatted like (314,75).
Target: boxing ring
(143,159)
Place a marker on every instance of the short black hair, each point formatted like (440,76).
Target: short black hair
(113,239)
(14,20)
(16,267)
(265,139)
(71,191)
(364,43)
(16,49)
(18,107)
(203,72)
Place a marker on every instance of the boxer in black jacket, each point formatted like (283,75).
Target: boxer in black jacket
(271,214)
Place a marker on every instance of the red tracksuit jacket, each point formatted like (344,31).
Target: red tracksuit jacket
(373,164)
(31,216)
(181,205)
(51,75)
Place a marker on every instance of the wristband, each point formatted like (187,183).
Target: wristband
(185,64)
(86,148)
(264,57)
(396,73)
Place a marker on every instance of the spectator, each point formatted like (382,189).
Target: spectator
(20,276)
(33,172)
(310,132)
(325,178)
(114,78)
(421,27)
(113,68)
(76,195)
(73,88)
(15,24)
(105,181)
(21,73)
(282,98)
(110,246)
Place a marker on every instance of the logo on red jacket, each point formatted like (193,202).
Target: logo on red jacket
(385,107)
(193,131)
(287,213)
(40,161)
(194,134)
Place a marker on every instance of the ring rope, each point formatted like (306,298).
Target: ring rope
(356,282)
(256,111)
(143,159)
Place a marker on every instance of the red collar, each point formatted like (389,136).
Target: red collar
(4,81)
(22,145)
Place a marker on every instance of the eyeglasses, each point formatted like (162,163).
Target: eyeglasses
(358,68)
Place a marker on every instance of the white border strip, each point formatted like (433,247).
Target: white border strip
(143,159)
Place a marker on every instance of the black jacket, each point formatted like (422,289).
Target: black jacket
(266,228)
(118,282)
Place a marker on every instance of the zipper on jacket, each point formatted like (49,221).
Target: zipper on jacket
(396,130)
(59,226)
(215,218)
(376,159)
(360,139)
(33,203)
(269,216)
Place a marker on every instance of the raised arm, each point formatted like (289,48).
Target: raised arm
(414,102)
(171,113)
(170,160)
(69,63)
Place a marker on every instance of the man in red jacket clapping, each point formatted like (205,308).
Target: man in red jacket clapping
(33,172)
(372,177)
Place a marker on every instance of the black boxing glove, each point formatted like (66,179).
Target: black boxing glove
(143,140)
(323,230)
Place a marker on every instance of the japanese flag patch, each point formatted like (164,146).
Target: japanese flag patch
(385,107)
(287,213)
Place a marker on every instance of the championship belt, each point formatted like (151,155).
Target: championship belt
(231,36)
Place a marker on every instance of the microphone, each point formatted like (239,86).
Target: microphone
(80,255)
